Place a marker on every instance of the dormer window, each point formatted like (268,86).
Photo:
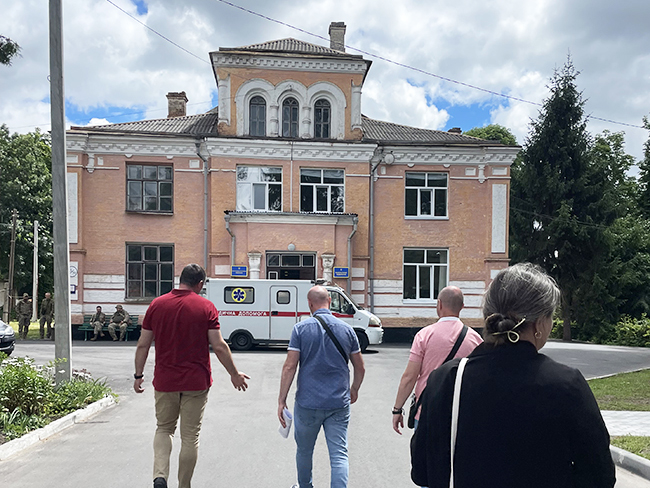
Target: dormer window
(322,119)
(290,118)
(257,122)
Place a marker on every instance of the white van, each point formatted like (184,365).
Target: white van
(265,311)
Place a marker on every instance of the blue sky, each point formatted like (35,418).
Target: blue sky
(118,70)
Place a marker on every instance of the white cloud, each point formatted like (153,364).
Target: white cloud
(114,64)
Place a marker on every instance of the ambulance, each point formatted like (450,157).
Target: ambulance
(255,312)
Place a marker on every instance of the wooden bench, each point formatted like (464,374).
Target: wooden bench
(88,326)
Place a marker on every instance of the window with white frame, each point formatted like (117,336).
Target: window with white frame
(322,119)
(290,118)
(322,190)
(149,188)
(149,270)
(259,188)
(257,117)
(426,195)
(425,273)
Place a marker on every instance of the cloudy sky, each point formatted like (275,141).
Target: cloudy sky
(117,70)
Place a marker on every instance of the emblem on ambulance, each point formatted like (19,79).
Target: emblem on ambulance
(239,295)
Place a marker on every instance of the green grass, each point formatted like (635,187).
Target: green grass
(634,444)
(34,330)
(626,391)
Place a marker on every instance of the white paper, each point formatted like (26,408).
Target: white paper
(288,418)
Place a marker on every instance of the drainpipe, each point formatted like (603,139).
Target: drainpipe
(232,240)
(355,221)
(371,229)
(205,204)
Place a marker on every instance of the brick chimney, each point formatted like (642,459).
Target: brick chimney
(337,36)
(176,104)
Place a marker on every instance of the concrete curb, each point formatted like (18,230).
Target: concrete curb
(631,462)
(12,447)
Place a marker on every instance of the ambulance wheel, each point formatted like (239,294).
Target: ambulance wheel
(363,340)
(241,341)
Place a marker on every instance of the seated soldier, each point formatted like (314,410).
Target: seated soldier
(121,320)
(97,321)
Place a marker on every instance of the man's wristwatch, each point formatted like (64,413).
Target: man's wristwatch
(138,376)
(398,411)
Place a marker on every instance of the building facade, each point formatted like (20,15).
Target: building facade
(286,179)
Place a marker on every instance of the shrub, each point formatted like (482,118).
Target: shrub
(23,387)
(632,332)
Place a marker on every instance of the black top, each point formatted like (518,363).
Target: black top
(525,421)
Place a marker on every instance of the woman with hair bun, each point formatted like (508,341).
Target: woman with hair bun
(523,420)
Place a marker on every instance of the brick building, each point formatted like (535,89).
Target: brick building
(287,178)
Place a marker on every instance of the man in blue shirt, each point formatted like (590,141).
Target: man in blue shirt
(324,392)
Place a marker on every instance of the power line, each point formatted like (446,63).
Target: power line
(428,73)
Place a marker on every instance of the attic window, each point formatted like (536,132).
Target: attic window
(257,123)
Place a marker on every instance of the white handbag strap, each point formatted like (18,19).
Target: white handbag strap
(454,415)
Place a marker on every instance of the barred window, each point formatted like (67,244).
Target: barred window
(149,188)
(149,270)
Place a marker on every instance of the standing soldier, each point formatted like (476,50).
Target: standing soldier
(119,320)
(24,311)
(47,310)
(98,320)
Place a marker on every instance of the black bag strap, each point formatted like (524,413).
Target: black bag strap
(332,336)
(450,356)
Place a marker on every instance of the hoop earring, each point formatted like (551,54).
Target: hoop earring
(538,335)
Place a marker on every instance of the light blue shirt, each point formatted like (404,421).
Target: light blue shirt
(323,375)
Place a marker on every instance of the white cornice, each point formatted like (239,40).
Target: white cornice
(293,63)
(454,156)
(290,218)
(297,151)
(139,145)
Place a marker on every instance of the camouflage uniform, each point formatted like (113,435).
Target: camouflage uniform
(120,319)
(47,310)
(97,320)
(24,311)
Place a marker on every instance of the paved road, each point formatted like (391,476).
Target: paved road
(240,446)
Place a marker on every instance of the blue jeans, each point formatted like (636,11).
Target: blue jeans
(307,423)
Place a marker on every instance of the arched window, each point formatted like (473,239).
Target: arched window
(257,117)
(322,119)
(290,118)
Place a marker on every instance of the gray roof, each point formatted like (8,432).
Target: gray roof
(206,125)
(290,45)
(387,132)
(194,125)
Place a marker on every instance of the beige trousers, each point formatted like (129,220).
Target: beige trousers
(189,406)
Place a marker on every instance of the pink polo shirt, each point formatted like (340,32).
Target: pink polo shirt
(432,345)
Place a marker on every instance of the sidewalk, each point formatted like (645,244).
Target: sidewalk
(628,423)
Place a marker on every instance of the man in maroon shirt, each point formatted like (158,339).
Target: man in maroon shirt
(184,325)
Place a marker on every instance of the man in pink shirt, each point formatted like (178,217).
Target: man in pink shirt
(430,348)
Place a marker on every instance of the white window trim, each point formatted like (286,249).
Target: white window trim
(336,97)
(248,90)
(433,266)
(329,190)
(251,192)
(433,200)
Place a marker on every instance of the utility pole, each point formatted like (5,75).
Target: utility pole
(62,336)
(12,253)
(35,275)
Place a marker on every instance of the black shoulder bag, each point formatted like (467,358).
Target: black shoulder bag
(415,405)
(333,337)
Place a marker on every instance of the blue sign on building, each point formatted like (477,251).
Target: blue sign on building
(239,271)
(341,273)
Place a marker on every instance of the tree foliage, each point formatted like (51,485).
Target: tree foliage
(8,50)
(493,132)
(26,185)
(563,199)
(644,177)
